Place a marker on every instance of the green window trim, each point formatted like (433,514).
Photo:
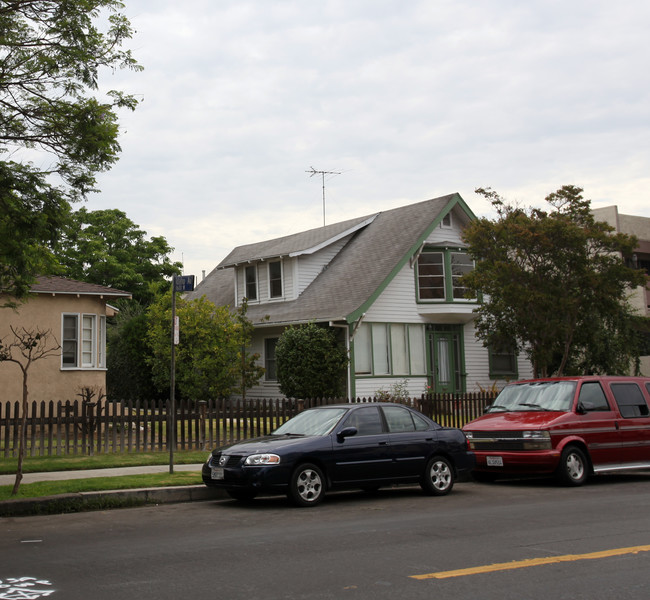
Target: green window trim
(457,340)
(383,342)
(437,275)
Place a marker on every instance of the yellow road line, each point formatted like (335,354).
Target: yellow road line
(532,562)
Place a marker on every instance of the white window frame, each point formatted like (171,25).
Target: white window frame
(101,346)
(69,340)
(268,271)
(89,341)
(256,282)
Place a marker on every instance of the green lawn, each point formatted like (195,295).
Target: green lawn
(73,463)
(41,464)
(98,484)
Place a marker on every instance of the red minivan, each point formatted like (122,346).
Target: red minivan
(569,426)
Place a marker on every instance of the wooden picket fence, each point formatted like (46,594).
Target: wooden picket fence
(86,428)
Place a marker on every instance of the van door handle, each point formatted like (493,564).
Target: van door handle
(616,425)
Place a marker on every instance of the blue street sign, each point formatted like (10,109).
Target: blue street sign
(183,283)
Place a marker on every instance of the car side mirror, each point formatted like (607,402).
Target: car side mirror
(584,407)
(346,432)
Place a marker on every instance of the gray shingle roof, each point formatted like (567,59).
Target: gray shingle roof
(351,280)
(62,285)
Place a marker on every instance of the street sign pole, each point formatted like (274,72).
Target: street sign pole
(180,283)
(172,385)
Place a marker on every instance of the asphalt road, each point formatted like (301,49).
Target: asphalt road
(476,543)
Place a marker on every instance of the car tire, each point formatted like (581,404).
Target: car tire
(307,485)
(438,477)
(242,495)
(573,469)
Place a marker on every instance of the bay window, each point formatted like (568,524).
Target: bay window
(439,273)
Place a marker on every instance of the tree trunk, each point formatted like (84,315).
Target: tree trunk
(22,441)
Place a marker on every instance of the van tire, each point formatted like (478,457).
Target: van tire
(573,469)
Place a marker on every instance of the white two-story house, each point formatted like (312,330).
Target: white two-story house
(387,283)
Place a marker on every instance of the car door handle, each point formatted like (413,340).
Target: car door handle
(383,443)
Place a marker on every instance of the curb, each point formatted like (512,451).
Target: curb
(83,501)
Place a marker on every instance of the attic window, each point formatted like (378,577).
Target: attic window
(251,282)
(446,221)
(275,279)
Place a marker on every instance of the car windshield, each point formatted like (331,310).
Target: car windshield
(536,395)
(315,421)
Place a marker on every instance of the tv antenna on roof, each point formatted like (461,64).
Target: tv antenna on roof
(313,172)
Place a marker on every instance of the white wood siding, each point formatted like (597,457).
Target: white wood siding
(370,386)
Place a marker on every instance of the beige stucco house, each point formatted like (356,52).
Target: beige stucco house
(74,315)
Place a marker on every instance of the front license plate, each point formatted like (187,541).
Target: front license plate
(217,472)
(494,461)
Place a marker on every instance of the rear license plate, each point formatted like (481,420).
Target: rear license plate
(217,472)
(494,461)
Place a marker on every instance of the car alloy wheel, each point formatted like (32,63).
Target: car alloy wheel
(306,487)
(438,479)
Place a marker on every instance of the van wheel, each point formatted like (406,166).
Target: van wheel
(573,468)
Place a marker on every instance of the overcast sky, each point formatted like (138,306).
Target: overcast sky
(406,99)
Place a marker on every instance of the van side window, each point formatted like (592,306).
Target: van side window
(592,397)
(630,400)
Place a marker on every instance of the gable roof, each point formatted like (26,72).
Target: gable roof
(62,285)
(379,247)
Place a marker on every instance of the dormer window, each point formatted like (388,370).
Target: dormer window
(251,282)
(275,279)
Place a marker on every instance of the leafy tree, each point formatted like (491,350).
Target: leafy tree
(51,53)
(26,347)
(107,248)
(31,216)
(310,362)
(209,353)
(554,284)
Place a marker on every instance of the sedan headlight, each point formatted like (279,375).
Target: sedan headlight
(255,460)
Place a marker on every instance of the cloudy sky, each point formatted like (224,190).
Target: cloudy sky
(406,99)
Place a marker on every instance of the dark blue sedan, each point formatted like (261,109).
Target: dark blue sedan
(364,446)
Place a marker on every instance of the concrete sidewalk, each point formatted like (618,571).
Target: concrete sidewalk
(104,499)
(88,473)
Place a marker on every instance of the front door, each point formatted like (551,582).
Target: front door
(445,361)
